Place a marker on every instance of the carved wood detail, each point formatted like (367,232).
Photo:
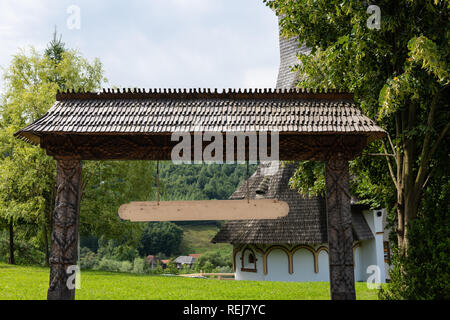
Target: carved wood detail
(159,147)
(340,236)
(65,229)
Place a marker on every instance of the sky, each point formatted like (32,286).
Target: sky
(154,43)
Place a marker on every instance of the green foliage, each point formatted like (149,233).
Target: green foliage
(26,252)
(201,181)
(309,179)
(56,48)
(112,249)
(27,174)
(162,237)
(423,55)
(88,259)
(106,264)
(212,261)
(424,274)
(109,185)
(406,59)
(140,266)
(400,76)
(112,256)
(171,268)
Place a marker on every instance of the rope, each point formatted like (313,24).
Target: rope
(157,181)
(248,191)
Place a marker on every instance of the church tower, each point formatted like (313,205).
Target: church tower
(289,49)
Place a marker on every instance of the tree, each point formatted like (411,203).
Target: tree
(162,237)
(423,274)
(55,48)
(106,186)
(400,76)
(27,174)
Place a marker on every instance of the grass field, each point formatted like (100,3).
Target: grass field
(31,283)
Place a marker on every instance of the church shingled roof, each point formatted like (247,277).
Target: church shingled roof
(306,222)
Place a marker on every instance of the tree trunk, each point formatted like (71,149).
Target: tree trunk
(407,197)
(11,243)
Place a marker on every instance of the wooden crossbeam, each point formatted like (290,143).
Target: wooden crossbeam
(203,210)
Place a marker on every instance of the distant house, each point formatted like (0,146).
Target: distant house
(152,261)
(184,261)
(164,263)
(195,255)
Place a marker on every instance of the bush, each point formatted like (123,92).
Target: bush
(140,266)
(212,260)
(25,252)
(162,237)
(157,270)
(106,264)
(88,259)
(225,269)
(171,269)
(125,266)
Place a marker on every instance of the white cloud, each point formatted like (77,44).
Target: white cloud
(172,43)
(260,77)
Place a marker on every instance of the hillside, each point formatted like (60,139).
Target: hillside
(197,239)
(201,181)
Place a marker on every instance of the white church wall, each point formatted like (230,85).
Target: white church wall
(324,267)
(245,275)
(374,249)
(367,257)
(303,265)
(278,266)
(357,260)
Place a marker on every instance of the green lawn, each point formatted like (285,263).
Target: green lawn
(19,282)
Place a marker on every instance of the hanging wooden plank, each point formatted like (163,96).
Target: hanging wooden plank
(203,210)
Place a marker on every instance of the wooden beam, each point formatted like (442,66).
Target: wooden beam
(204,210)
(340,236)
(159,147)
(65,229)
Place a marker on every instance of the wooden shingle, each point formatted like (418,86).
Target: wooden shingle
(290,111)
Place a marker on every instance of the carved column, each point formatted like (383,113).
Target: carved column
(65,229)
(340,236)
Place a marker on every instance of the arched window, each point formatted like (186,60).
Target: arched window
(248,260)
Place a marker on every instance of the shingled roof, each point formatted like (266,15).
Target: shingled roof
(306,222)
(155,112)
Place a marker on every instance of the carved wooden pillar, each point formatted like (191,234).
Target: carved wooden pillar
(340,236)
(65,229)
